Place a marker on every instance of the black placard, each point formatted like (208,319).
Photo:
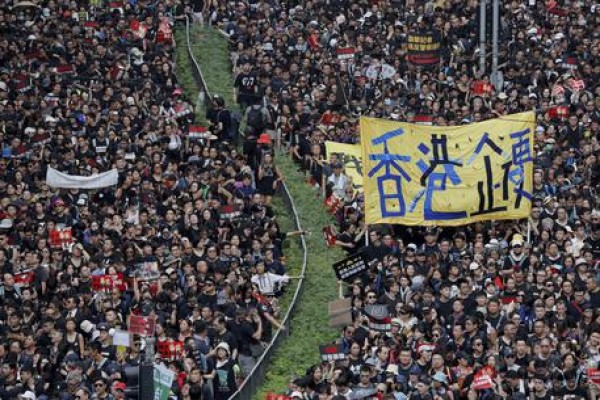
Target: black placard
(424,48)
(350,267)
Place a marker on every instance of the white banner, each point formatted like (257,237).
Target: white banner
(58,179)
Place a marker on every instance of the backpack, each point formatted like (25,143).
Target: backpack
(256,119)
(234,126)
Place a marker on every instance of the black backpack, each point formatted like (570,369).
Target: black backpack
(256,119)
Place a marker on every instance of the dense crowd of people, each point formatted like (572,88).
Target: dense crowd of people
(491,310)
(184,248)
(501,309)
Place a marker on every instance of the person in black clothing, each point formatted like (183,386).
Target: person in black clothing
(376,250)
(220,119)
(246,86)
(248,331)
(224,384)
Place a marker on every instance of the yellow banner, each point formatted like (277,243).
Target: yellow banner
(448,176)
(351,156)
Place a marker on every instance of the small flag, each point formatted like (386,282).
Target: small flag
(329,236)
(426,120)
(24,278)
(559,112)
(65,69)
(481,87)
(570,63)
(345,53)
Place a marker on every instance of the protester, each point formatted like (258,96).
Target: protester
(89,88)
(501,309)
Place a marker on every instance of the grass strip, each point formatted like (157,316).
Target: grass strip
(309,325)
(211,50)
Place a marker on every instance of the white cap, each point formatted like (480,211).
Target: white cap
(86,326)
(29,395)
(225,346)
(580,261)
(6,223)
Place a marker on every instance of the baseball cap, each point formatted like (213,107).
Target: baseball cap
(264,138)
(440,377)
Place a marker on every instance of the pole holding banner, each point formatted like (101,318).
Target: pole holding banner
(482,16)
(495,28)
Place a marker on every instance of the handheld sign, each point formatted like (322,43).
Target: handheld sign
(350,267)
(143,326)
(331,352)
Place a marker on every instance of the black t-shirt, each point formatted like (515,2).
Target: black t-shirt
(546,396)
(209,300)
(377,252)
(246,84)
(576,394)
(444,308)
(595,299)
(227,337)
(243,332)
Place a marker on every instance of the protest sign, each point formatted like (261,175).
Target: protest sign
(449,176)
(147,271)
(170,349)
(423,48)
(24,278)
(350,267)
(331,352)
(141,325)
(108,282)
(163,380)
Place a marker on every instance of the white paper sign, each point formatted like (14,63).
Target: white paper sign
(121,338)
